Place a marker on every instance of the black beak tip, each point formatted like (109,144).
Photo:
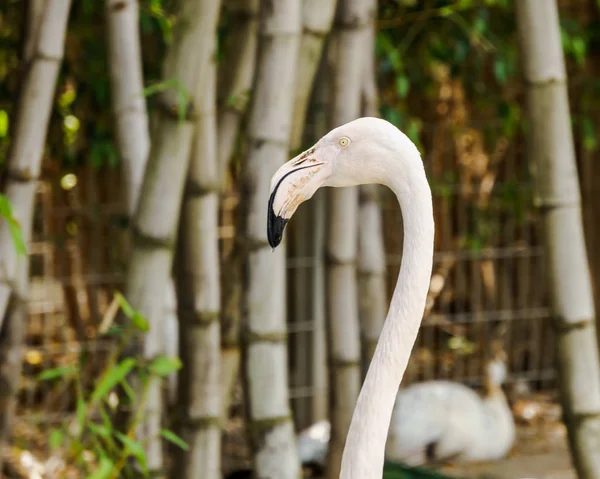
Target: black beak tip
(275,225)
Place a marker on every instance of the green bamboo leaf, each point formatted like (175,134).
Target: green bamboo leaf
(134,448)
(163,365)
(402,86)
(81,410)
(139,321)
(115,331)
(445,11)
(3,123)
(56,438)
(54,373)
(99,429)
(96,155)
(501,71)
(105,418)
(128,391)
(238,100)
(590,140)
(5,208)
(14,227)
(104,470)
(112,378)
(565,40)
(157,88)
(125,306)
(480,25)
(174,438)
(181,103)
(17,237)
(413,129)
(182,95)
(579,49)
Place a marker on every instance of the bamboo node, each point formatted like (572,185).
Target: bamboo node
(251,338)
(21,175)
(173,110)
(251,245)
(344,363)
(45,57)
(352,22)
(260,427)
(194,189)
(258,142)
(547,205)
(230,346)
(236,102)
(143,240)
(185,421)
(579,418)
(562,326)
(199,318)
(115,7)
(366,273)
(332,260)
(156,473)
(367,195)
(243,13)
(313,32)
(5,280)
(546,82)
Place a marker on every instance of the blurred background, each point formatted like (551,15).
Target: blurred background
(137,142)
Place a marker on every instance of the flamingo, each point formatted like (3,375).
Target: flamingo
(370,151)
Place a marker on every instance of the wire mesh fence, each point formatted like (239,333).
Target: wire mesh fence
(488,274)
(488,277)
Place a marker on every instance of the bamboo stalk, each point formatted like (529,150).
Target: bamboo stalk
(317,20)
(157,214)
(127,86)
(346,55)
(235,82)
(373,302)
(39,29)
(320,369)
(198,300)
(25,157)
(557,196)
(265,339)
(235,76)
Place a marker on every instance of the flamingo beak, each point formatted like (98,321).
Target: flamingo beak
(294,183)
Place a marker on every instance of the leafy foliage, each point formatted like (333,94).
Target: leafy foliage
(477,40)
(94,439)
(6,214)
(455,64)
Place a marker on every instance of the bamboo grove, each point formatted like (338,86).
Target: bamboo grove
(137,141)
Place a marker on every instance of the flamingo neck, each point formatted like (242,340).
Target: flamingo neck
(364,452)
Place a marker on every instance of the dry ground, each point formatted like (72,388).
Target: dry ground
(540,452)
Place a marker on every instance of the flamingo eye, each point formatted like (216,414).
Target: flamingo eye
(344,142)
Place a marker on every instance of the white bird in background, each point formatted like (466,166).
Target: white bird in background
(443,420)
(436,421)
(367,151)
(313,442)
